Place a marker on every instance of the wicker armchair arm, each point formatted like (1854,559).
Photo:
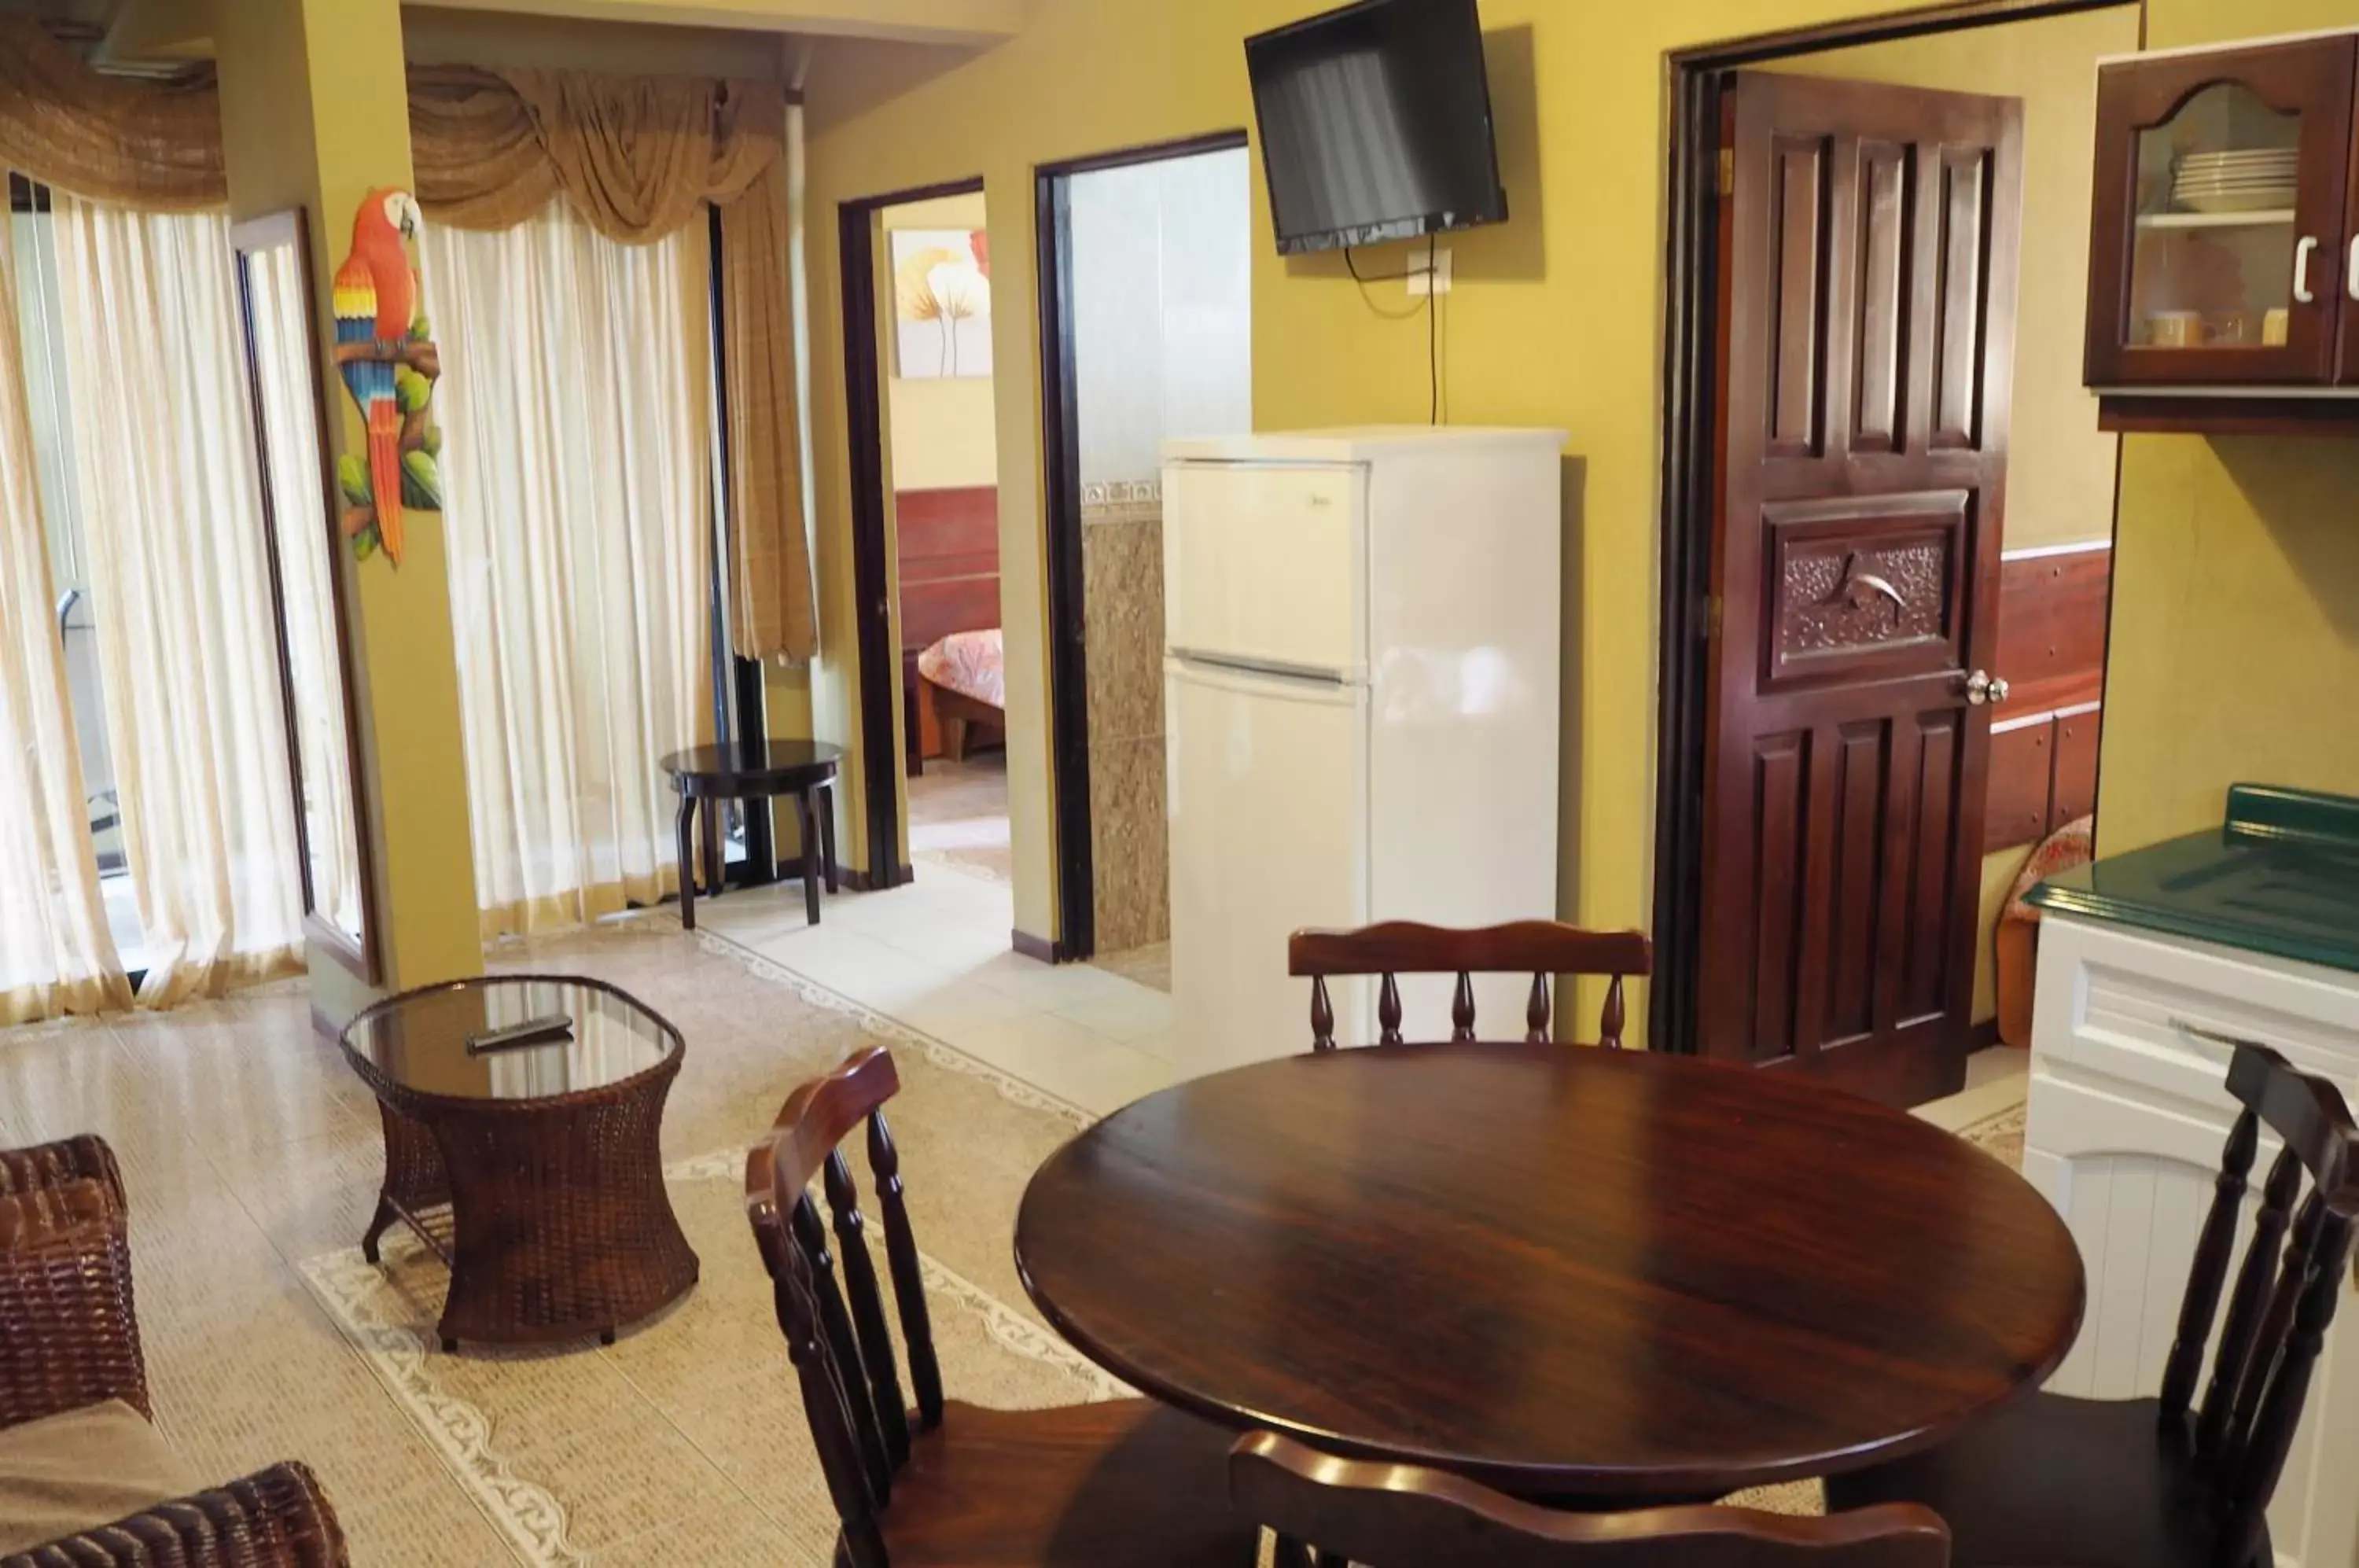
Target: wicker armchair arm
(276,1518)
(47,1165)
(69,1332)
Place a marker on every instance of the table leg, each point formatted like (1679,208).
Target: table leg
(687,863)
(1291,1554)
(811,854)
(716,861)
(382,1222)
(827,832)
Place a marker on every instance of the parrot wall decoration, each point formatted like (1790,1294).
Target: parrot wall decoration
(389,365)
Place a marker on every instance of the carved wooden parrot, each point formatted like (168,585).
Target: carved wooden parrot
(375,299)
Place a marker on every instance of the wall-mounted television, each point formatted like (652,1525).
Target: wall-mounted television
(1376,124)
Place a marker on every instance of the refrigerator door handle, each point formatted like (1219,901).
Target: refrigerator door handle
(1265,669)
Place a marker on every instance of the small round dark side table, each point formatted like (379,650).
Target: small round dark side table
(531,1105)
(708,775)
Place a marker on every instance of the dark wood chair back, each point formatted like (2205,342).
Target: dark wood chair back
(837,1333)
(2285,1293)
(1538,948)
(1398,1516)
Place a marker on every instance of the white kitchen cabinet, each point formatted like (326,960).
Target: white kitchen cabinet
(2126,1118)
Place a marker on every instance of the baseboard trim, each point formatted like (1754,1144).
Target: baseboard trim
(326,1027)
(861,882)
(1982,1035)
(1039,947)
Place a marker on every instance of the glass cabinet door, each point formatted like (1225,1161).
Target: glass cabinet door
(2217,248)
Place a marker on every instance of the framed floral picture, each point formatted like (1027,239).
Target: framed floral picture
(942,287)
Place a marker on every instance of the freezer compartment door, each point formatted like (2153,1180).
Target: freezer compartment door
(1266,564)
(1268,833)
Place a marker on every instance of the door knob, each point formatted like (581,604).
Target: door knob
(1984,687)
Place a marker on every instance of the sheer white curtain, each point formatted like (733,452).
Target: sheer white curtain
(55,952)
(163,450)
(576,395)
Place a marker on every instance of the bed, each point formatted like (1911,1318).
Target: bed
(949,551)
(965,676)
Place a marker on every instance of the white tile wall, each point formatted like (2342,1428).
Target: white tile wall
(1162,303)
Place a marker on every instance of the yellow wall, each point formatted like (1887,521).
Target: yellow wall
(943,433)
(436,36)
(2236,559)
(1555,320)
(2236,632)
(315,113)
(2059,466)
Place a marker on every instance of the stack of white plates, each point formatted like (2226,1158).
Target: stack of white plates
(2250,182)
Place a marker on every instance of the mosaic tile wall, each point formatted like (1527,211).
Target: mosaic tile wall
(1122,599)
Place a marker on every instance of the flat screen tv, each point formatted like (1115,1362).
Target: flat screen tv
(1376,124)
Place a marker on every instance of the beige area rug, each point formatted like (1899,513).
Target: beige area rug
(701,1404)
(693,1421)
(700,1407)
(253,1156)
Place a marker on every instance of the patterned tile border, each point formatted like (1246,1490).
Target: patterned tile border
(527,1513)
(352,1290)
(533,1519)
(1122,501)
(1122,492)
(941,1053)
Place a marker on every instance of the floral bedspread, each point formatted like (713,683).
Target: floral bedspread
(972,663)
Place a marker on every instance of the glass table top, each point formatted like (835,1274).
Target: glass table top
(511,1038)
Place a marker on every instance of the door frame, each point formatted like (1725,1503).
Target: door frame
(873,588)
(1691,358)
(1060,454)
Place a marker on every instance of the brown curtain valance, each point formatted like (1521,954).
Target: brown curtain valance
(637,156)
(139,144)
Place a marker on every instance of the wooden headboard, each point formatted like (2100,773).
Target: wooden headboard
(949,583)
(949,563)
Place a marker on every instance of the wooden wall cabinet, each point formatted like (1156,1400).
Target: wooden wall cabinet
(2224,268)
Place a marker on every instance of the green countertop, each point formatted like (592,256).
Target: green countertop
(2281,875)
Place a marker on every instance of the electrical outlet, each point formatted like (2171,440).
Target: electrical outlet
(1420,284)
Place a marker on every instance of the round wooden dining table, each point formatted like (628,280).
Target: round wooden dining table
(1580,1275)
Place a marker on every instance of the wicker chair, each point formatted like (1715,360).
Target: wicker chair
(70,1344)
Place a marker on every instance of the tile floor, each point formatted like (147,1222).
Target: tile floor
(252,1150)
(934,954)
(958,816)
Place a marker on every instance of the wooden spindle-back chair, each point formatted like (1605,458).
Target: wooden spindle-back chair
(1119,1481)
(1399,1516)
(2176,1481)
(1541,949)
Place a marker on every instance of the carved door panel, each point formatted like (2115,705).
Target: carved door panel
(1867,322)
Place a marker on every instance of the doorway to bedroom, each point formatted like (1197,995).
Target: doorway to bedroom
(943,475)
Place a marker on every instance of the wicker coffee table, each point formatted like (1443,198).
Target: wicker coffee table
(521,1121)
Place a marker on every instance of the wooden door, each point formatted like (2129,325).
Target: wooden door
(1867,318)
(2216,253)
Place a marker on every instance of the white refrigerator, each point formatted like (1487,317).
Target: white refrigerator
(1361,679)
